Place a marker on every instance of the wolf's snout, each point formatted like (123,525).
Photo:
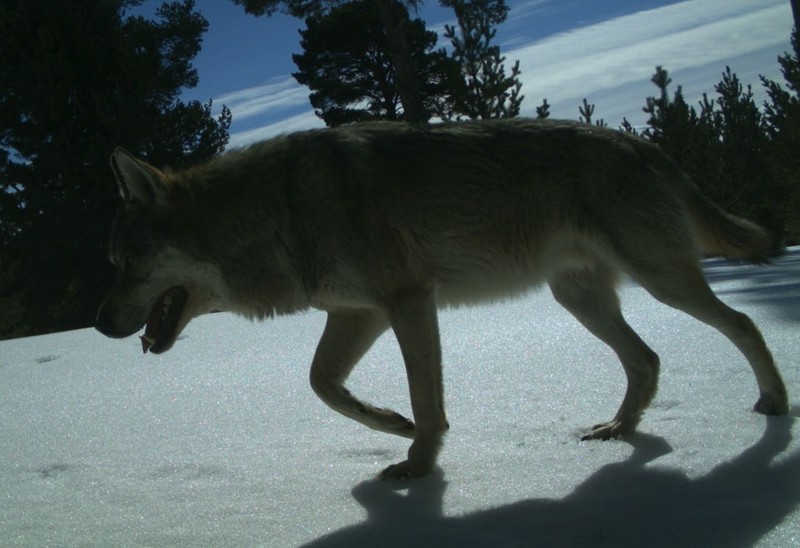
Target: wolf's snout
(106,325)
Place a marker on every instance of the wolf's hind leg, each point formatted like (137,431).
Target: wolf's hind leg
(590,295)
(347,337)
(680,283)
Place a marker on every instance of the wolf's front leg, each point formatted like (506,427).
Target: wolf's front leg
(347,337)
(413,319)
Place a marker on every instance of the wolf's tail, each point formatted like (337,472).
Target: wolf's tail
(720,233)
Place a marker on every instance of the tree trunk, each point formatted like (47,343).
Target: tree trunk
(408,82)
(796,12)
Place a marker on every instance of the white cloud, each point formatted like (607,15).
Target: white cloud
(625,50)
(278,95)
(298,122)
(609,62)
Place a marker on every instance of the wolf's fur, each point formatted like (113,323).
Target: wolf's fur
(380,224)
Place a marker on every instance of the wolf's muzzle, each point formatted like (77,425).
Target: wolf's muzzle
(106,325)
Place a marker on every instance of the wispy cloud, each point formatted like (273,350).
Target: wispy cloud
(298,122)
(275,96)
(609,62)
(624,50)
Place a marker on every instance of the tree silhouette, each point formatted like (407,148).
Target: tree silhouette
(76,79)
(782,125)
(676,126)
(395,27)
(543,110)
(724,147)
(586,110)
(352,76)
(489,93)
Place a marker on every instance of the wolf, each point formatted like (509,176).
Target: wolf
(381,224)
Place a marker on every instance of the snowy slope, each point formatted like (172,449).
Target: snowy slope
(221,441)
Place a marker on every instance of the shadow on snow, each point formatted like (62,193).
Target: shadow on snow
(775,284)
(622,504)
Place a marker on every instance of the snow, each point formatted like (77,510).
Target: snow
(221,441)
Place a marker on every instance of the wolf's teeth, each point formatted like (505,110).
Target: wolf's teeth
(147,342)
(166,303)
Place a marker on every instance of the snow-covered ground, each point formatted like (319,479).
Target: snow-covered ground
(221,441)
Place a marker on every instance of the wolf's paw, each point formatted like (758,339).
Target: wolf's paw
(403,471)
(607,430)
(772,404)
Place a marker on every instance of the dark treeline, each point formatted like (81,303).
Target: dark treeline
(79,78)
(743,157)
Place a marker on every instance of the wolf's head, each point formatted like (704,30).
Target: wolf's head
(162,281)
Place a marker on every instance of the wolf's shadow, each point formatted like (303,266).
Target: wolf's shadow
(622,504)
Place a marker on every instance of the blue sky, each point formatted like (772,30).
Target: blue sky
(605,50)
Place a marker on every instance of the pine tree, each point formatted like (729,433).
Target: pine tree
(627,127)
(395,28)
(586,111)
(676,126)
(782,120)
(489,93)
(77,79)
(543,110)
(352,76)
(724,147)
(743,170)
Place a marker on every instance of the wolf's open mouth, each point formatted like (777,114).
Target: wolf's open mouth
(160,331)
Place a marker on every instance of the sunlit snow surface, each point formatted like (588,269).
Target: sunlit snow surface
(222,442)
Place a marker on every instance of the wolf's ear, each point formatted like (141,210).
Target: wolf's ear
(138,181)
